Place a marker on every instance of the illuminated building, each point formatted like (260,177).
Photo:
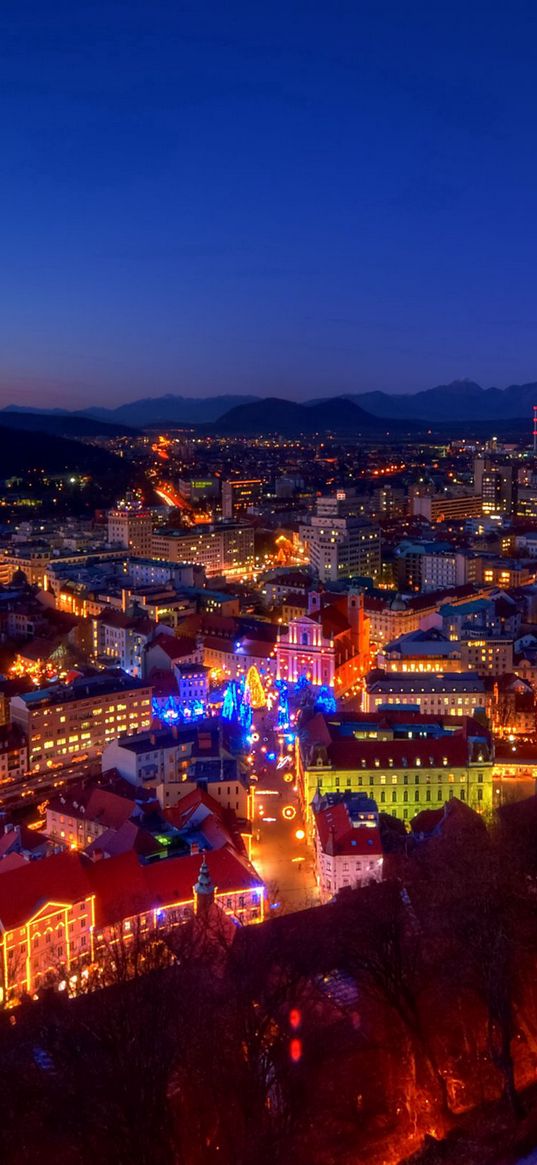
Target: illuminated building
(499,489)
(526,506)
(32,560)
(341,547)
(65,723)
(404,761)
(13,753)
(234,658)
(131,527)
(330,645)
(240,496)
(196,489)
(447,569)
(77,817)
(443,506)
(221,549)
(160,895)
(47,916)
(346,838)
(63,914)
(421,651)
(120,640)
(501,572)
(285,584)
(434,652)
(452,694)
(192,682)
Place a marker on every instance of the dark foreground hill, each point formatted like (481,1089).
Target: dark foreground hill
(63,424)
(338,415)
(21,452)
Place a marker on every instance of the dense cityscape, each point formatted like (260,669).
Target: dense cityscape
(268,747)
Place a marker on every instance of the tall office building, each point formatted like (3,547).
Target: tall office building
(339,546)
(240,496)
(499,490)
(131,527)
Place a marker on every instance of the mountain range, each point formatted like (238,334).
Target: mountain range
(461,399)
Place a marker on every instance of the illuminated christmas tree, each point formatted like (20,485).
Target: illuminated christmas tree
(254,694)
(229,706)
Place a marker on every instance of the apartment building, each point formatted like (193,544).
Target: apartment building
(226,549)
(65,723)
(131,527)
(175,761)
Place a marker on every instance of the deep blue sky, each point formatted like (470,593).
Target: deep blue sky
(294,198)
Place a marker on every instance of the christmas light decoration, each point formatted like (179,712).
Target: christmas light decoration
(325,701)
(230,704)
(253,689)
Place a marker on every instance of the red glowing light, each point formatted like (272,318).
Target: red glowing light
(295,1050)
(295,1018)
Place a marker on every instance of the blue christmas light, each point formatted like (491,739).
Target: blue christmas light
(325,701)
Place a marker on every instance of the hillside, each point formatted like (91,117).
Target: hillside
(21,452)
(62,424)
(273,415)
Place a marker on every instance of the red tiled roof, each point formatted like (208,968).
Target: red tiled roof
(124,888)
(95,804)
(347,753)
(338,836)
(63,878)
(175,648)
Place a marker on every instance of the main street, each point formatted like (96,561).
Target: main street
(283,859)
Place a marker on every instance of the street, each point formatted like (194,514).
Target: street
(283,860)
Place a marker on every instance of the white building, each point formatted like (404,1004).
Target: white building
(340,546)
(454,694)
(348,849)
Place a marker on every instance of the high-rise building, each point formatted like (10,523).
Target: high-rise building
(238,497)
(499,490)
(339,546)
(131,527)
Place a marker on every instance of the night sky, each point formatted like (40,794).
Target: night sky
(286,198)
